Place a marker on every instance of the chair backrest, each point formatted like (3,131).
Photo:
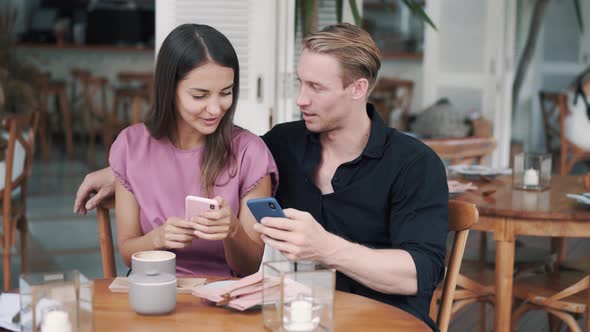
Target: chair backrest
(462,216)
(20,130)
(144,79)
(78,88)
(464,150)
(141,92)
(390,94)
(95,96)
(107,252)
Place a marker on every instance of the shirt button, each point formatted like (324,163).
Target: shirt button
(305,180)
(336,179)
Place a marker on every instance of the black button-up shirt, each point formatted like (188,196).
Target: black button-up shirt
(393,196)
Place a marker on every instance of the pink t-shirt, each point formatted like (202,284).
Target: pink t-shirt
(160,176)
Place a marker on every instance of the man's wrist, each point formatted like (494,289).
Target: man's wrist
(332,249)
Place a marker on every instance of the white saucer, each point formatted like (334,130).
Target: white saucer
(479,170)
(456,193)
(582,199)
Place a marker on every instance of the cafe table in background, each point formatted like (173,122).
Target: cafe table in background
(509,212)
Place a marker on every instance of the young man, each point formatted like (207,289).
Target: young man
(360,197)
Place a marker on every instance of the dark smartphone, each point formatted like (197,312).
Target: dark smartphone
(265,207)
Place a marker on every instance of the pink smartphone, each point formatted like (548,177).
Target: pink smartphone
(195,206)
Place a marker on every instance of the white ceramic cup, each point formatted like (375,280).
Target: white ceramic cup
(152,292)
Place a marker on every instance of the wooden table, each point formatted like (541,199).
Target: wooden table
(351,313)
(509,213)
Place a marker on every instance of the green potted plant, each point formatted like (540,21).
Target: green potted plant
(306,11)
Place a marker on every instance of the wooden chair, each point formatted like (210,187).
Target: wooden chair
(18,153)
(555,109)
(107,252)
(465,150)
(57,89)
(462,216)
(78,79)
(476,279)
(136,95)
(564,294)
(98,120)
(392,94)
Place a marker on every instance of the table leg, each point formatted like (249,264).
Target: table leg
(558,246)
(504,277)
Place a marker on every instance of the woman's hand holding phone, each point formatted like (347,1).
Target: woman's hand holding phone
(175,233)
(216,224)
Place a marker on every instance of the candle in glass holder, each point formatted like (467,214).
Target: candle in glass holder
(56,321)
(301,315)
(531,177)
(301,311)
(306,296)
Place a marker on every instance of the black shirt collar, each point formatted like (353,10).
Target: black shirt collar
(377,138)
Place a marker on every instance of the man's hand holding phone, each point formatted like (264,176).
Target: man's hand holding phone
(265,207)
(211,219)
(296,234)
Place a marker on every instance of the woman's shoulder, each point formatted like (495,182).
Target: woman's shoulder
(243,139)
(135,132)
(138,137)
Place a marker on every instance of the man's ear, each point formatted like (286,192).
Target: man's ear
(360,88)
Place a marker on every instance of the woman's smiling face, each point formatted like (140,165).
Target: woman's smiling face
(204,96)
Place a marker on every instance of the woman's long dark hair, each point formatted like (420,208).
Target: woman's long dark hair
(186,48)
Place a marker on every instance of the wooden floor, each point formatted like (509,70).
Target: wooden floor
(61,240)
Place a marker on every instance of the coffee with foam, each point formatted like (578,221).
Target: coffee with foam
(153,255)
(154,260)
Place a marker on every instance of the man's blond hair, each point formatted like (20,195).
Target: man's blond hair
(352,46)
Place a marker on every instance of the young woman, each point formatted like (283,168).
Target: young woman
(189,146)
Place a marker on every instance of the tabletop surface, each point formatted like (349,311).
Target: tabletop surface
(551,204)
(351,313)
